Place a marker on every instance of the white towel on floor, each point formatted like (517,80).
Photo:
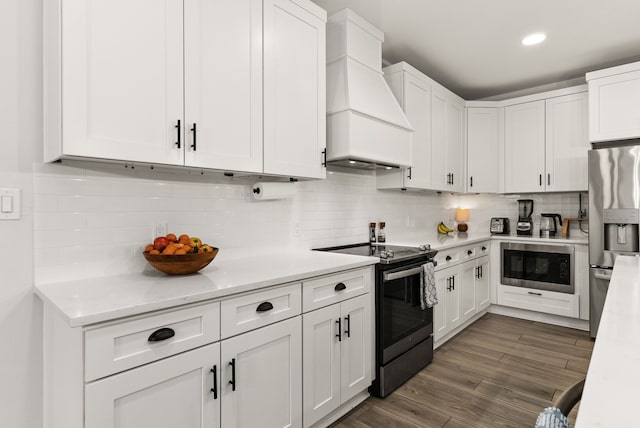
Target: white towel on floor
(428,294)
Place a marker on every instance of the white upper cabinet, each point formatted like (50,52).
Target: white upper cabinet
(115,88)
(187,82)
(546,145)
(294,88)
(437,117)
(484,153)
(567,143)
(614,103)
(414,96)
(524,147)
(223,84)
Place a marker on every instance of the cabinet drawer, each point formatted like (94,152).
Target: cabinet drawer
(335,288)
(117,347)
(549,302)
(447,258)
(255,310)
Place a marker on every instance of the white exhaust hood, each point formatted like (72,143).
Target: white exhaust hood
(366,127)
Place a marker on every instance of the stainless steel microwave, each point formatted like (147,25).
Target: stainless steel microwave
(539,266)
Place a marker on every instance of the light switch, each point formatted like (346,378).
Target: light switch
(9,204)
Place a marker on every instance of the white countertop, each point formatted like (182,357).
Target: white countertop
(101,299)
(609,398)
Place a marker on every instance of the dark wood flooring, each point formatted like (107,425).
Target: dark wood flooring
(499,372)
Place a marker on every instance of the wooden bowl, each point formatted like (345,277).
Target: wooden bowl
(181,265)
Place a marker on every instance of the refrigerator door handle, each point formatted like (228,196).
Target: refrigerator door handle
(602,275)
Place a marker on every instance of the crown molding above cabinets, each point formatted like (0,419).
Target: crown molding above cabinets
(206,85)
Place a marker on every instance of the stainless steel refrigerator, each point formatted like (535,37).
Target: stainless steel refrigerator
(614,214)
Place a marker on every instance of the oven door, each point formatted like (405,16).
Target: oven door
(543,267)
(402,323)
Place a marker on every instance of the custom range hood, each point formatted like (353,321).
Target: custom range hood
(366,127)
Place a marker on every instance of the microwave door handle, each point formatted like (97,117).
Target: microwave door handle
(401,274)
(604,276)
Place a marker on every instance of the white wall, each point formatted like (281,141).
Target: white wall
(20,142)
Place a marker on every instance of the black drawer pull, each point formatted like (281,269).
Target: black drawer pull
(214,370)
(534,294)
(179,128)
(347,321)
(340,286)
(195,133)
(232,382)
(339,335)
(484,248)
(161,334)
(469,252)
(447,258)
(264,307)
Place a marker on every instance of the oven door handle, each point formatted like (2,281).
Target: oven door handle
(390,276)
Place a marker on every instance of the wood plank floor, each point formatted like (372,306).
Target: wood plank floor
(500,371)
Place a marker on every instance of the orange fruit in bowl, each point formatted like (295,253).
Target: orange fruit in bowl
(180,252)
(172,238)
(170,250)
(155,252)
(148,248)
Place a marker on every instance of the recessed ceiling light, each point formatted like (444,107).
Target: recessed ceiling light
(534,39)
(352,162)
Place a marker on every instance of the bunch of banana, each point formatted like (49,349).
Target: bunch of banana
(443,228)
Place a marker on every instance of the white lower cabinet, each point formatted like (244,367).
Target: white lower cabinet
(447,313)
(181,391)
(337,351)
(463,289)
(261,384)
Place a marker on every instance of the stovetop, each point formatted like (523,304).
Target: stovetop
(388,254)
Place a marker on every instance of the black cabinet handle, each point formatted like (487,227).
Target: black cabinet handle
(340,286)
(481,271)
(339,335)
(452,179)
(469,252)
(449,284)
(214,370)
(179,128)
(549,179)
(471,179)
(232,382)
(409,176)
(193,146)
(347,323)
(484,248)
(161,334)
(477,272)
(447,258)
(324,158)
(264,307)
(540,179)
(534,294)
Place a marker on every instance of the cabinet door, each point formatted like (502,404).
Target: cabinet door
(482,150)
(614,107)
(483,284)
(439,177)
(440,327)
(265,366)
(524,147)
(356,346)
(294,89)
(567,143)
(174,392)
(223,84)
(469,273)
(122,94)
(455,124)
(454,312)
(321,363)
(417,107)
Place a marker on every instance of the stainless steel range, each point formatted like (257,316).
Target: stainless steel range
(404,332)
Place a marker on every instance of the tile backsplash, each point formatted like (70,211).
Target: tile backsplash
(94,219)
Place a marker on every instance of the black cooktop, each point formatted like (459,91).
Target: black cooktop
(387,253)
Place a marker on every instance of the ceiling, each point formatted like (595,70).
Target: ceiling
(473,47)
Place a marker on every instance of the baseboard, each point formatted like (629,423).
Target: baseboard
(578,324)
(342,410)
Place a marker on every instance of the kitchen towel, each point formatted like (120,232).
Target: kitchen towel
(552,417)
(428,294)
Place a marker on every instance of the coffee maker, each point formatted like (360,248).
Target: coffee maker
(525,210)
